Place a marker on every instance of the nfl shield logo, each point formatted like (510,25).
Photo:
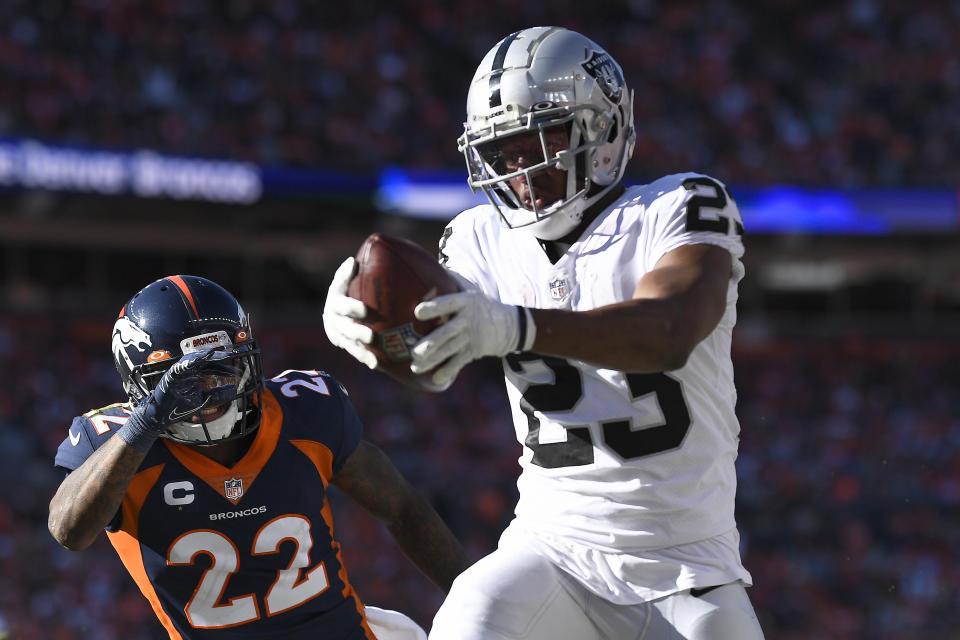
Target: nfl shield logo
(396,342)
(233,488)
(559,289)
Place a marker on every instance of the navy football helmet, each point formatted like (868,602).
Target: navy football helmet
(177,315)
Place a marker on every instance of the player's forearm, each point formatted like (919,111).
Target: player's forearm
(428,542)
(673,308)
(373,482)
(642,336)
(90,496)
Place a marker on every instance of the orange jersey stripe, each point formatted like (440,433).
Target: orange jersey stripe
(247,468)
(319,454)
(127,546)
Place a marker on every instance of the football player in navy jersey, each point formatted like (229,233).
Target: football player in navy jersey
(211,481)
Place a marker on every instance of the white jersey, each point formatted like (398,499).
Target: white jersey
(614,462)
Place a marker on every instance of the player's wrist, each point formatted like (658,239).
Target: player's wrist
(526,329)
(139,431)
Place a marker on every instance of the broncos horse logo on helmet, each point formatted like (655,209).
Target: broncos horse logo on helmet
(177,315)
(127,335)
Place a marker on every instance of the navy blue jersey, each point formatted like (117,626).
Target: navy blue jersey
(248,551)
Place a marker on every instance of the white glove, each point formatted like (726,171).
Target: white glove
(340,315)
(480,327)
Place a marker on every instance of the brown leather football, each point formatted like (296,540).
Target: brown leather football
(393,277)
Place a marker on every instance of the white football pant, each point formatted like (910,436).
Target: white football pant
(392,625)
(516,594)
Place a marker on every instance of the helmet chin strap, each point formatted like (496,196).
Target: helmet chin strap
(559,223)
(568,217)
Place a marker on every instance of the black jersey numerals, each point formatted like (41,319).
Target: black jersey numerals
(619,436)
(441,256)
(709,194)
(562,394)
(629,443)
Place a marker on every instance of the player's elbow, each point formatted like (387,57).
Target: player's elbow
(674,354)
(66,536)
(655,351)
(673,344)
(674,361)
(682,330)
(68,541)
(60,533)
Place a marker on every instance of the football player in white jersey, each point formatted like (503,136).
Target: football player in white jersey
(612,309)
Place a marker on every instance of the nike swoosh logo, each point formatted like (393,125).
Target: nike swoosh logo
(74,439)
(176,414)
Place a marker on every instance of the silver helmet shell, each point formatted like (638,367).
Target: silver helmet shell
(533,81)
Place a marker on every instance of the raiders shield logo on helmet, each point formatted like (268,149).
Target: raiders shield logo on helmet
(607,73)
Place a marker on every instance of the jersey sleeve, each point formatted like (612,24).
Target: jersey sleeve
(461,250)
(76,447)
(87,433)
(696,209)
(352,428)
(315,405)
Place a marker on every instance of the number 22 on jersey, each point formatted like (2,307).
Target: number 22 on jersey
(291,587)
(288,590)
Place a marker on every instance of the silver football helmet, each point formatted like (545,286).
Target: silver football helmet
(567,98)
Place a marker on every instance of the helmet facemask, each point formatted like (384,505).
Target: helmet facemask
(514,165)
(227,421)
(532,83)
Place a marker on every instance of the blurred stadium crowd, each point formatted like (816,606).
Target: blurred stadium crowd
(849,481)
(843,93)
(849,469)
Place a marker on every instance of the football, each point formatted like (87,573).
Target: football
(393,277)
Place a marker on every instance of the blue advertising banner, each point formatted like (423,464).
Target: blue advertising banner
(29,164)
(766,210)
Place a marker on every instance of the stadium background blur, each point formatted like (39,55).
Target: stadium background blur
(846,352)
